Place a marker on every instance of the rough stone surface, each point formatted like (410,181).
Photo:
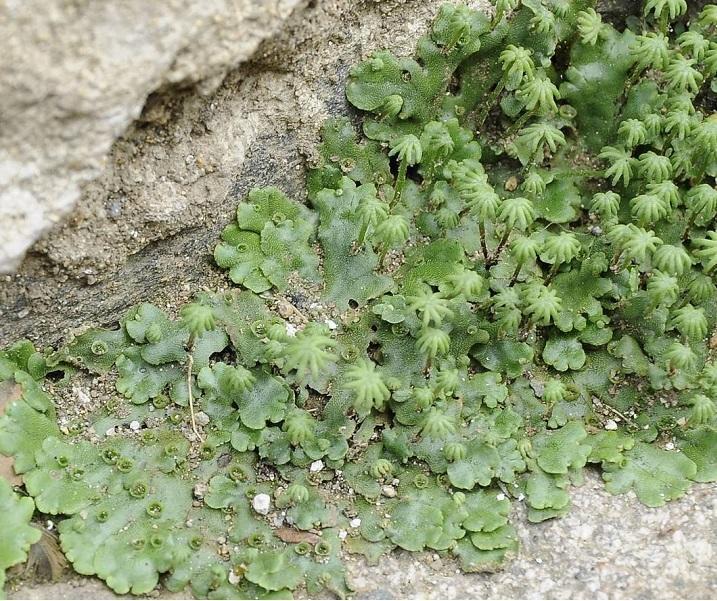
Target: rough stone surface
(144,229)
(76,73)
(607,547)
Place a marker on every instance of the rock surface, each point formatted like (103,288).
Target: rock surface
(75,74)
(607,547)
(144,229)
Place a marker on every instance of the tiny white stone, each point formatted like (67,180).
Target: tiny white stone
(110,432)
(261,503)
(343,534)
(291,329)
(670,446)
(331,323)
(50,524)
(316,466)
(388,491)
(134,425)
(500,496)
(234,578)
(611,424)
(355,523)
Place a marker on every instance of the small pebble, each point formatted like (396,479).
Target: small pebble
(355,523)
(388,491)
(611,424)
(331,323)
(291,329)
(670,446)
(200,490)
(261,503)
(202,418)
(234,578)
(134,425)
(316,466)
(343,534)
(500,496)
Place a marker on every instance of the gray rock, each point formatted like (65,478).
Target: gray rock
(75,74)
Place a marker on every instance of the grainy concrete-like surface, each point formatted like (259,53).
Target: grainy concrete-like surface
(608,547)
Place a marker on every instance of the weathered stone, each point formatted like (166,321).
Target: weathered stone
(74,75)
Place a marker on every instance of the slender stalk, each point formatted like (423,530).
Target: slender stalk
(690,223)
(497,18)
(190,366)
(484,247)
(631,81)
(400,182)
(498,249)
(520,122)
(551,274)
(362,233)
(664,22)
(490,102)
(516,273)
(616,260)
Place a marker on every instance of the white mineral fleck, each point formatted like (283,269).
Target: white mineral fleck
(134,425)
(611,424)
(261,503)
(316,466)
(234,578)
(388,491)
(343,534)
(331,323)
(291,329)
(356,522)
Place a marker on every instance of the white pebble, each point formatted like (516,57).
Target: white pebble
(134,425)
(316,466)
(388,491)
(670,446)
(356,522)
(500,496)
(611,424)
(110,432)
(234,578)
(331,323)
(261,503)
(343,534)
(291,329)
